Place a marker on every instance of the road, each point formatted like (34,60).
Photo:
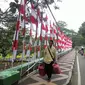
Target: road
(78,77)
(82,68)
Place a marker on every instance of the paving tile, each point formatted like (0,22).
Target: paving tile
(66,65)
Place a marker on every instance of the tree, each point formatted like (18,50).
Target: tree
(82,29)
(62,24)
(78,40)
(10,15)
(6,35)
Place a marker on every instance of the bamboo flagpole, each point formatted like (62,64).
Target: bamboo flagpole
(22,13)
(15,40)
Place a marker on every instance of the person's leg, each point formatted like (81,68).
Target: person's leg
(49,69)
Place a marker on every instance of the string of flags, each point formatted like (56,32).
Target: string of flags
(45,30)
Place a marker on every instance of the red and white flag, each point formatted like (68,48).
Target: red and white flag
(33,16)
(15,40)
(51,31)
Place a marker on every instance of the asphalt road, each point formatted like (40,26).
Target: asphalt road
(78,76)
(74,78)
(82,68)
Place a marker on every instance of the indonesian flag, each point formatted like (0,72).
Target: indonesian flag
(22,6)
(43,26)
(54,34)
(33,17)
(15,40)
(43,30)
(59,38)
(39,15)
(46,24)
(46,31)
(51,32)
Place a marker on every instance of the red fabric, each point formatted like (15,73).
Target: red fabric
(51,31)
(33,20)
(51,38)
(56,69)
(32,5)
(45,46)
(41,70)
(43,27)
(38,48)
(46,28)
(41,37)
(46,38)
(15,45)
(55,31)
(17,25)
(23,32)
(22,9)
(25,18)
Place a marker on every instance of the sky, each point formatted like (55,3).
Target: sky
(71,11)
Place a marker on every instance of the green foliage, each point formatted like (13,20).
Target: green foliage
(82,29)
(6,40)
(78,40)
(62,24)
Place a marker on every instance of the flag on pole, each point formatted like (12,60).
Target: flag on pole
(51,31)
(33,16)
(15,40)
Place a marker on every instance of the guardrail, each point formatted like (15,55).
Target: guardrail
(12,75)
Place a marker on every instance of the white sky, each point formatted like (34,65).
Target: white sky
(71,11)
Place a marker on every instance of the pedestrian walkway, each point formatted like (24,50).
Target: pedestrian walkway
(66,64)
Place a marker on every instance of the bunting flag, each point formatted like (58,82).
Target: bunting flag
(63,41)
(46,31)
(33,17)
(15,39)
(22,11)
(51,31)
(23,8)
(37,47)
(54,34)
(59,34)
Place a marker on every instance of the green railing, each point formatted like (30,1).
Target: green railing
(13,75)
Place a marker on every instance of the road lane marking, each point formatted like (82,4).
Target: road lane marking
(78,69)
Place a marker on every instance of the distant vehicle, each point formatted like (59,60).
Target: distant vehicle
(81,51)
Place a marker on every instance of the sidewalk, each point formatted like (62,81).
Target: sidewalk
(66,64)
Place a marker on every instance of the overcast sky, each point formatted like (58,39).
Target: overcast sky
(71,11)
